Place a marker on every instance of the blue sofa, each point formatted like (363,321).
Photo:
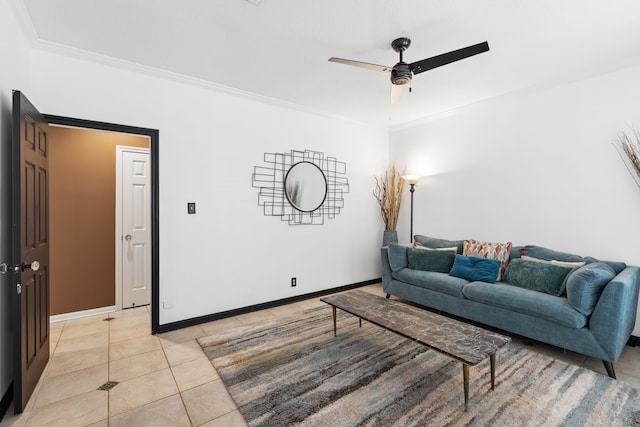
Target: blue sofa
(594,314)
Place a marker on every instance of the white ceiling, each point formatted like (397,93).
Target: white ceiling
(279,48)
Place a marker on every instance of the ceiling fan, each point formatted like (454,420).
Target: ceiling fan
(401,73)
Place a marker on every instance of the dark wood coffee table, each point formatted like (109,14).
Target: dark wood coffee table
(461,341)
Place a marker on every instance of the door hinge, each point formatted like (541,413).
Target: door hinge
(3,268)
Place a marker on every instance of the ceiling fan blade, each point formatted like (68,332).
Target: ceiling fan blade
(366,65)
(447,58)
(396,92)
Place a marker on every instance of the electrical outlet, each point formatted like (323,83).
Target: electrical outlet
(294,282)
(191,208)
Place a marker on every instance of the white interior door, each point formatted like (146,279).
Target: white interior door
(134,236)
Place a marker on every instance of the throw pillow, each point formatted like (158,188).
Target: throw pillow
(573,265)
(417,245)
(432,242)
(537,276)
(475,269)
(499,251)
(585,285)
(430,260)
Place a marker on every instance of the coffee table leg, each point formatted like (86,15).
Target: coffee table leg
(335,329)
(465,375)
(492,358)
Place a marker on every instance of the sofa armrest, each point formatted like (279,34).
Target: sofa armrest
(386,267)
(614,316)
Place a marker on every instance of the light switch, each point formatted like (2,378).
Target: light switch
(191,208)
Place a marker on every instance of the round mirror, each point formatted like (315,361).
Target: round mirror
(305,186)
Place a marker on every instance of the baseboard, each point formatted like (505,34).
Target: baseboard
(80,314)
(6,402)
(167,327)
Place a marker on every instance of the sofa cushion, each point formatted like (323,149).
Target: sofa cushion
(433,242)
(550,254)
(474,268)
(439,282)
(499,251)
(526,301)
(397,254)
(585,285)
(537,276)
(430,259)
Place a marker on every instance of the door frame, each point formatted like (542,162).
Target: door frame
(154,136)
(120,149)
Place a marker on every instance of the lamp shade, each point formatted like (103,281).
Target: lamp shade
(412,179)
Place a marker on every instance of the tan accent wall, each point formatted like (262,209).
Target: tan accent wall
(82,191)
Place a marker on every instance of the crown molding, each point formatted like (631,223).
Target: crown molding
(24,20)
(84,55)
(608,68)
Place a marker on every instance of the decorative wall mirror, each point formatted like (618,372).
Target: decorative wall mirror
(305,186)
(301,187)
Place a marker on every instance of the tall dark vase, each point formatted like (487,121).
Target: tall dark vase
(389,237)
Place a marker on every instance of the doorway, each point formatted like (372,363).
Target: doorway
(83,220)
(152,135)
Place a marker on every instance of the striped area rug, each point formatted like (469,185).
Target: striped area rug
(294,372)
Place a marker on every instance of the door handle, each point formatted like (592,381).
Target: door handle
(127,237)
(35,266)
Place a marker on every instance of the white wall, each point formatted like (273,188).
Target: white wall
(228,255)
(536,167)
(13,72)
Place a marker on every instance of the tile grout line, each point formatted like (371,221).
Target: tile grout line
(184,405)
(34,397)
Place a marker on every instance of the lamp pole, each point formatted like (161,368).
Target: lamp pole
(411,189)
(412,180)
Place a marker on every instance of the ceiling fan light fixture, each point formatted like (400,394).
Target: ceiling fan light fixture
(401,74)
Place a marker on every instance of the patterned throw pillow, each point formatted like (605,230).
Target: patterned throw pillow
(499,251)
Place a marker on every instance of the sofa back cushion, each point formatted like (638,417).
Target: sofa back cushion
(537,276)
(585,285)
(430,259)
(550,254)
(475,269)
(433,242)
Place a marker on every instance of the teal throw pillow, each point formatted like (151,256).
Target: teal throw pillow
(537,276)
(433,242)
(475,269)
(585,285)
(428,260)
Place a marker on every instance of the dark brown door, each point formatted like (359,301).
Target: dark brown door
(30,247)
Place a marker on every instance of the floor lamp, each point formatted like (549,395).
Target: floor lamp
(412,180)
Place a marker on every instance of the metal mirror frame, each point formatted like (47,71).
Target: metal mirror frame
(270,181)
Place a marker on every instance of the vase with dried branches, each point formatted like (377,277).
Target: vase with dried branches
(629,144)
(388,192)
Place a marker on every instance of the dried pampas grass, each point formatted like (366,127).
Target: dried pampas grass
(388,192)
(630,146)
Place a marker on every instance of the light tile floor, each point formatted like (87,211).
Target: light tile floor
(166,380)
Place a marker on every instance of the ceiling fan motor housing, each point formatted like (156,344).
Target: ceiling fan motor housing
(401,74)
